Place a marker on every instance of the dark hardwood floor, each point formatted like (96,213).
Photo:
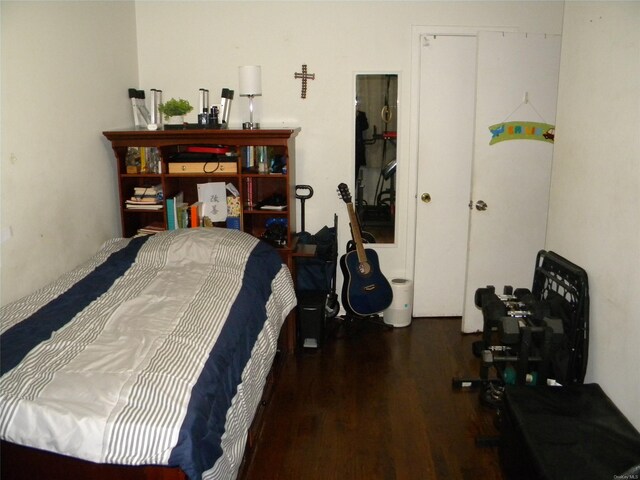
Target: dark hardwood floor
(378,404)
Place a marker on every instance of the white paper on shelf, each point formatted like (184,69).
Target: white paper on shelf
(214,200)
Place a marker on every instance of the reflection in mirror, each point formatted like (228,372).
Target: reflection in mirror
(376,121)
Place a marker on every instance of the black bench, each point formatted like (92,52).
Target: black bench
(572,432)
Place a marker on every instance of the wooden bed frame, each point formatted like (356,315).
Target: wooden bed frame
(24,463)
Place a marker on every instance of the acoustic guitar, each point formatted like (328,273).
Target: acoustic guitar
(365,290)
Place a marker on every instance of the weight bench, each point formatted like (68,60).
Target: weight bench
(569,433)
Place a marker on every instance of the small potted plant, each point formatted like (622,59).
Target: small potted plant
(175,110)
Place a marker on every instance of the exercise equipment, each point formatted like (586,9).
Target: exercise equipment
(538,336)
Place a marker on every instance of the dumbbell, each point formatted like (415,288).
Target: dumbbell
(492,310)
(481,292)
(537,310)
(509,330)
(521,292)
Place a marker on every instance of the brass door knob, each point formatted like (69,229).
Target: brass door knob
(426,198)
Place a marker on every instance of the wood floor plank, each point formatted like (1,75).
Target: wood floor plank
(378,404)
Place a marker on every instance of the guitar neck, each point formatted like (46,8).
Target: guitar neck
(355,233)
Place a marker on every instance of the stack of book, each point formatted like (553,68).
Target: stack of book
(146,198)
(182,215)
(152,228)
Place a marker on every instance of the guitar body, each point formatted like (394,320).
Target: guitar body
(364,292)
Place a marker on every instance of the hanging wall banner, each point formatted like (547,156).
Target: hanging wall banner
(521,131)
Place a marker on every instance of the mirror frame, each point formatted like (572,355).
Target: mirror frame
(398,136)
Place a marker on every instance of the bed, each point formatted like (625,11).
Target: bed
(155,352)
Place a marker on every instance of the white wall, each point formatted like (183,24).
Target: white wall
(58,181)
(594,215)
(66,67)
(184,46)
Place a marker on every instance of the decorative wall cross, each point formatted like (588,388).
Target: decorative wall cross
(304,76)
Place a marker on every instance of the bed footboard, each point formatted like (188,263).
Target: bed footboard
(23,463)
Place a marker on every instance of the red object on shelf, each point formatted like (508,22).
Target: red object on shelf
(217,150)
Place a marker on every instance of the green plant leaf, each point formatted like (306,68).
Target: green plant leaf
(173,107)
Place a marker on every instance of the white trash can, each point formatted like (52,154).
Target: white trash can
(399,312)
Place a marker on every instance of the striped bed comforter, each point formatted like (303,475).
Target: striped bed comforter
(153,352)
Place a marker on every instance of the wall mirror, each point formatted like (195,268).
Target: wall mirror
(376,124)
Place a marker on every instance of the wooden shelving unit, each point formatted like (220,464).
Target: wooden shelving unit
(249,182)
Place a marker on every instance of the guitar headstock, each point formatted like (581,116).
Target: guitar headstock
(343,193)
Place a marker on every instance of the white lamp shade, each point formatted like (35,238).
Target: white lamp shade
(251,80)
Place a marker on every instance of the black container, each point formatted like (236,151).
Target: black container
(311,319)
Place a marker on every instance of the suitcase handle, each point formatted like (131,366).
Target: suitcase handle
(306,196)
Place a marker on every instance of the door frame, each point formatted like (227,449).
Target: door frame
(417,31)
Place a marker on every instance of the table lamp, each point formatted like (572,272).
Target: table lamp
(250,86)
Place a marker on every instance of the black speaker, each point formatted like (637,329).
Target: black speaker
(311,318)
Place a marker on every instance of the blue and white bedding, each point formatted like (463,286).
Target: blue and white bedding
(153,352)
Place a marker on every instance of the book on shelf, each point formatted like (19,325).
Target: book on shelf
(171,223)
(248,193)
(182,215)
(144,168)
(143,206)
(172,210)
(195,214)
(145,198)
(249,157)
(255,158)
(151,229)
(142,201)
(148,191)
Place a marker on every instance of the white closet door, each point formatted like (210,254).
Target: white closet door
(517,80)
(445,147)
